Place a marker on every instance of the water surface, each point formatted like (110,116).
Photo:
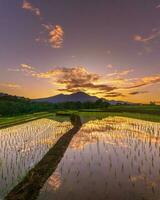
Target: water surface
(22,146)
(114,158)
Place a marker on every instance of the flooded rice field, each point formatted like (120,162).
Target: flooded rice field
(23,146)
(114,158)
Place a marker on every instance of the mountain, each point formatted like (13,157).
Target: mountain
(8,97)
(78,96)
(3,94)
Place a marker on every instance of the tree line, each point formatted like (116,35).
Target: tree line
(13,105)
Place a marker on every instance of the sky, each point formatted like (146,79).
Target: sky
(106,48)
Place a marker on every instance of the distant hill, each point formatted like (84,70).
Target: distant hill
(8,97)
(14,105)
(61,98)
(3,94)
(78,96)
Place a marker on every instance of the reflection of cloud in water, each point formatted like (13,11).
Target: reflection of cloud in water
(55,181)
(114,131)
(153,184)
(113,154)
(22,146)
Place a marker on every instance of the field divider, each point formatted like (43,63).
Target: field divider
(30,186)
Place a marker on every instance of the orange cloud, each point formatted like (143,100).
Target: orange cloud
(25,66)
(148,80)
(64,75)
(114,94)
(119,73)
(56,37)
(74,79)
(138,92)
(109,66)
(28,6)
(10,85)
(55,33)
(69,80)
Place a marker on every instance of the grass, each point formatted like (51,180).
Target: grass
(14,120)
(145,109)
(144,112)
(99,115)
(87,115)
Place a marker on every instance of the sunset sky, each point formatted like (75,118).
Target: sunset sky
(106,48)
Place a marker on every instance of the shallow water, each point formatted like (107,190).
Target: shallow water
(22,146)
(114,158)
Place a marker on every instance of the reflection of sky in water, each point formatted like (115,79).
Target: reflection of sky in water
(22,146)
(113,158)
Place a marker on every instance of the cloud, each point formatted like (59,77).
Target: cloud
(114,94)
(120,73)
(109,66)
(74,75)
(28,6)
(147,41)
(152,36)
(138,92)
(56,37)
(13,70)
(23,68)
(55,33)
(65,73)
(158,6)
(74,79)
(48,27)
(108,52)
(10,85)
(26,66)
(87,86)
(144,81)
(28,69)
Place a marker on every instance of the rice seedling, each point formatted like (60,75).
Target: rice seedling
(113,154)
(23,146)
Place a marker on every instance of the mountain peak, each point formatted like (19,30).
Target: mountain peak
(80,93)
(74,97)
